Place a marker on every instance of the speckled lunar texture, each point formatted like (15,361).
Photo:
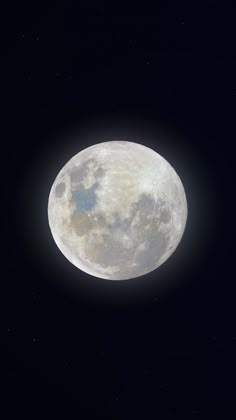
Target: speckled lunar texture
(117,210)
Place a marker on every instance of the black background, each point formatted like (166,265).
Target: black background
(164,345)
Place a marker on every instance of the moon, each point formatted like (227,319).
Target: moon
(117,210)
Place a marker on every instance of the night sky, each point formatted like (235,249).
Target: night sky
(162,346)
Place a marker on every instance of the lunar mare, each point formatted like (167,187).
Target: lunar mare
(117,210)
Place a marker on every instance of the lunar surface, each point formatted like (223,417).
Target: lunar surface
(117,210)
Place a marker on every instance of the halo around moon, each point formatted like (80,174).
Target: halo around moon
(117,210)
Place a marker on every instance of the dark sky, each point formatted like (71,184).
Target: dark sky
(75,74)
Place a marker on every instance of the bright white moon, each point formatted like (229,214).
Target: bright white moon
(117,210)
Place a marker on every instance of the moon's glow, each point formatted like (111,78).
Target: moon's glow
(117,210)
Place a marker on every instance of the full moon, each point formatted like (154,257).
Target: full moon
(117,210)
